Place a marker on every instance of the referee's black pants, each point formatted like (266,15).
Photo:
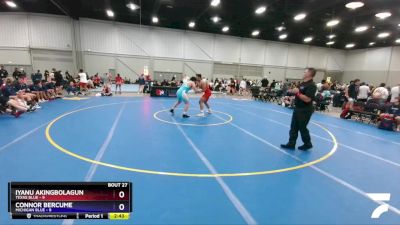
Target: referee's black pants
(300,119)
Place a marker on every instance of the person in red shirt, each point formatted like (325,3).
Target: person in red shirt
(205,87)
(118,83)
(96,80)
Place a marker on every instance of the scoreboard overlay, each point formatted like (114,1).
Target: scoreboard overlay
(70,200)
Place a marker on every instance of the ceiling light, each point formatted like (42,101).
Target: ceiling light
(350,45)
(110,13)
(371,44)
(398,41)
(154,19)
(361,28)
(260,9)
(11,4)
(283,36)
(255,33)
(300,16)
(354,5)
(383,15)
(308,39)
(215,19)
(331,36)
(330,43)
(215,3)
(132,6)
(280,28)
(332,23)
(192,24)
(225,29)
(383,35)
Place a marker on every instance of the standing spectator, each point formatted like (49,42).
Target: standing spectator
(264,82)
(232,86)
(82,81)
(58,78)
(22,74)
(363,92)
(118,83)
(37,77)
(3,73)
(273,84)
(395,92)
(352,90)
(69,77)
(59,82)
(46,74)
(242,86)
(142,82)
(16,74)
(51,75)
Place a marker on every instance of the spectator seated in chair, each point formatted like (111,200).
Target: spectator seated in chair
(49,89)
(288,101)
(96,80)
(323,99)
(392,114)
(71,88)
(375,105)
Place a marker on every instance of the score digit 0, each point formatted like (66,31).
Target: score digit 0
(121,194)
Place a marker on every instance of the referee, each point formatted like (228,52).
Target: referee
(303,110)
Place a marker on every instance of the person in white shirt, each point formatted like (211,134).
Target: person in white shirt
(363,92)
(320,86)
(381,92)
(51,75)
(82,80)
(242,86)
(395,92)
(277,86)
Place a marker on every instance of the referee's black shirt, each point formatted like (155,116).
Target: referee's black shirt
(308,89)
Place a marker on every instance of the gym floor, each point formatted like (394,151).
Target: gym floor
(225,168)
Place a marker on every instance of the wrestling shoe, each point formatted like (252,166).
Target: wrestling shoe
(305,147)
(288,146)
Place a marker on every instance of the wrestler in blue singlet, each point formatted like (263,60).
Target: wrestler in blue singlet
(182,97)
(180,94)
